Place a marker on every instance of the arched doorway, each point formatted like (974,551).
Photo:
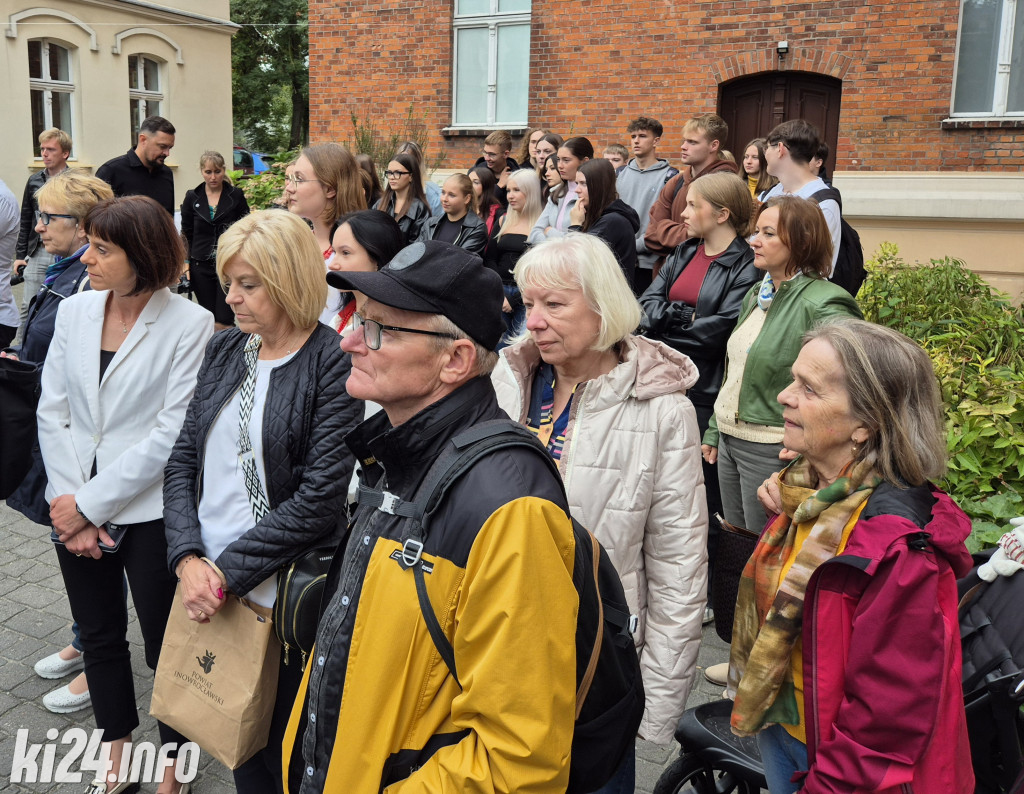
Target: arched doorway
(752,105)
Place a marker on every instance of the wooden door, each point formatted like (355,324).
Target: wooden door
(752,105)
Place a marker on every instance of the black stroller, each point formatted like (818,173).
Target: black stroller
(714,761)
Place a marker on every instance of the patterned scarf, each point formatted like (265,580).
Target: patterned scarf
(60,265)
(769,609)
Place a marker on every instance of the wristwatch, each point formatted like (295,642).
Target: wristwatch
(83,515)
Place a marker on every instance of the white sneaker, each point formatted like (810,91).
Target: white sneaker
(709,616)
(63,701)
(55,667)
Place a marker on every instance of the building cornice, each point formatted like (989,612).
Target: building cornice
(167,14)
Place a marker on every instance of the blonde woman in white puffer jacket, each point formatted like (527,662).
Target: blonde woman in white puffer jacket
(612,410)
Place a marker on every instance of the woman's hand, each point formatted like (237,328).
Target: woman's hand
(506,306)
(202,591)
(577,214)
(86,543)
(65,517)
(769,494)
(12,356)
(710,454)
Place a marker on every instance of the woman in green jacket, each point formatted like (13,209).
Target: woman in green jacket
(792,244)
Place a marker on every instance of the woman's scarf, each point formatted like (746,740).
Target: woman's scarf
(58,267)
(769,610)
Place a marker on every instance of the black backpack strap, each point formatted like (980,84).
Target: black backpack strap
(458,457)
(827,194)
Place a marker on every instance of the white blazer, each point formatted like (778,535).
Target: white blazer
(128,422)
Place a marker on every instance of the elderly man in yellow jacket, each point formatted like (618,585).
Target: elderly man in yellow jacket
(379,709)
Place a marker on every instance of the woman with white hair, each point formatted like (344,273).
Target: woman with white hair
(611,408)
(509,242)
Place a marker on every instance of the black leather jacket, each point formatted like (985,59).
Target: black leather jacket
(472,235)
(701,331)
(28,240)
(412,222)
(201,233)
(306,416)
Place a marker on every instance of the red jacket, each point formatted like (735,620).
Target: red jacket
(881,653)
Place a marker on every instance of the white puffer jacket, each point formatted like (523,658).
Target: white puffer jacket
(632,468)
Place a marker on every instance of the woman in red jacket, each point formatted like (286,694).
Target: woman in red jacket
(845,657)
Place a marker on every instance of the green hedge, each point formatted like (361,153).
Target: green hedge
(975,337)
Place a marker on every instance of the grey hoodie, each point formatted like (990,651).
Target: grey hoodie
(639,189)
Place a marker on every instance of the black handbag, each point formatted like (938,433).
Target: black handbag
(19,396)
(735,545)
(300,588)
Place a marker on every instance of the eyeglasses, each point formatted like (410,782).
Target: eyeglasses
(395,174)
(372,330)
(294,181)
(46,217)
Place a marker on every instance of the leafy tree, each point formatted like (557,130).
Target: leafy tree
(270,73)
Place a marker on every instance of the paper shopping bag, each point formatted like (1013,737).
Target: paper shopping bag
(216,682)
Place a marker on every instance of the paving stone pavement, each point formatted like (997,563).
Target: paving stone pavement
(35,621)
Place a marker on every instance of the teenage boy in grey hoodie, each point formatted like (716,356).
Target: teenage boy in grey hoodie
(639,184)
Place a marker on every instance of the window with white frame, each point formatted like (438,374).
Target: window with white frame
(990,59)
(52,91)
(144,91)
(492,63)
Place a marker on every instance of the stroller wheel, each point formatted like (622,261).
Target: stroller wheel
(690,774)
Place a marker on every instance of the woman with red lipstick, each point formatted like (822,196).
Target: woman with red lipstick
(793,247)
(259,474)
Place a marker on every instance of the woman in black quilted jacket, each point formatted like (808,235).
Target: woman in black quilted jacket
(259,474)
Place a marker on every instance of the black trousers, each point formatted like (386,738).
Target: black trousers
(711,489)
(96,592)
(209,293)
(261,774)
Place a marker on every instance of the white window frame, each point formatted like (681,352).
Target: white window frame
(1001,89)
(492,21)
(141,94)
(49,86)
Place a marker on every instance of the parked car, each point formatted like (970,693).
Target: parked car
(249,162)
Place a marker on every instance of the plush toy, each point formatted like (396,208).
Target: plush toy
(1009,556)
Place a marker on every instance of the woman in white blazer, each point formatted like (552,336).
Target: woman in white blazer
(119,374)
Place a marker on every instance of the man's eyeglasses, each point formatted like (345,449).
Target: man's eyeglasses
(293,180)
(46,217)
(395,174)
(372,331)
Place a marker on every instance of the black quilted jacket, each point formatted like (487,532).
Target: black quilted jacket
(308,467)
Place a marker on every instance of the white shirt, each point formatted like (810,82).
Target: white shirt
(224,510)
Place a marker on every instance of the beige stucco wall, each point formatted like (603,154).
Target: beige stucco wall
(974,216)
(197,91)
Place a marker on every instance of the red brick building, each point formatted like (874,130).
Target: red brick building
(923,102)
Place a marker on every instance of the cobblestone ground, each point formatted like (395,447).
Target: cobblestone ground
(35,621)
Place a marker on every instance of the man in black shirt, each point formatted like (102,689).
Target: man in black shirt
(141,172)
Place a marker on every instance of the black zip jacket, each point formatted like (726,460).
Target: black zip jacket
(618,226)
(306,416)
(701,331)
(472,235)
(412,222)
(201,233)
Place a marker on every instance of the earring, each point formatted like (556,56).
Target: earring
(854,448)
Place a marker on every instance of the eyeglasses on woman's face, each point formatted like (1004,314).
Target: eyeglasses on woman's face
(395,174)
(295,181)
(372,331)
(45,217)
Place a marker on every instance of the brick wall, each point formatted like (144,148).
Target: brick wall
(595,66)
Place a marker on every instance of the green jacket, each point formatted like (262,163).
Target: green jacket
(798,306)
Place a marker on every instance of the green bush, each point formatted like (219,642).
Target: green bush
(262,190)
(975,337)
(381,145)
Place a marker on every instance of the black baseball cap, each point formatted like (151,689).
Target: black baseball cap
(436,278)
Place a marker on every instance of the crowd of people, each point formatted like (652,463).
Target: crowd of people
(668,336)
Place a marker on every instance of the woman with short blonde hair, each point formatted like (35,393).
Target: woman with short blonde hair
(285,374)
(611,409)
